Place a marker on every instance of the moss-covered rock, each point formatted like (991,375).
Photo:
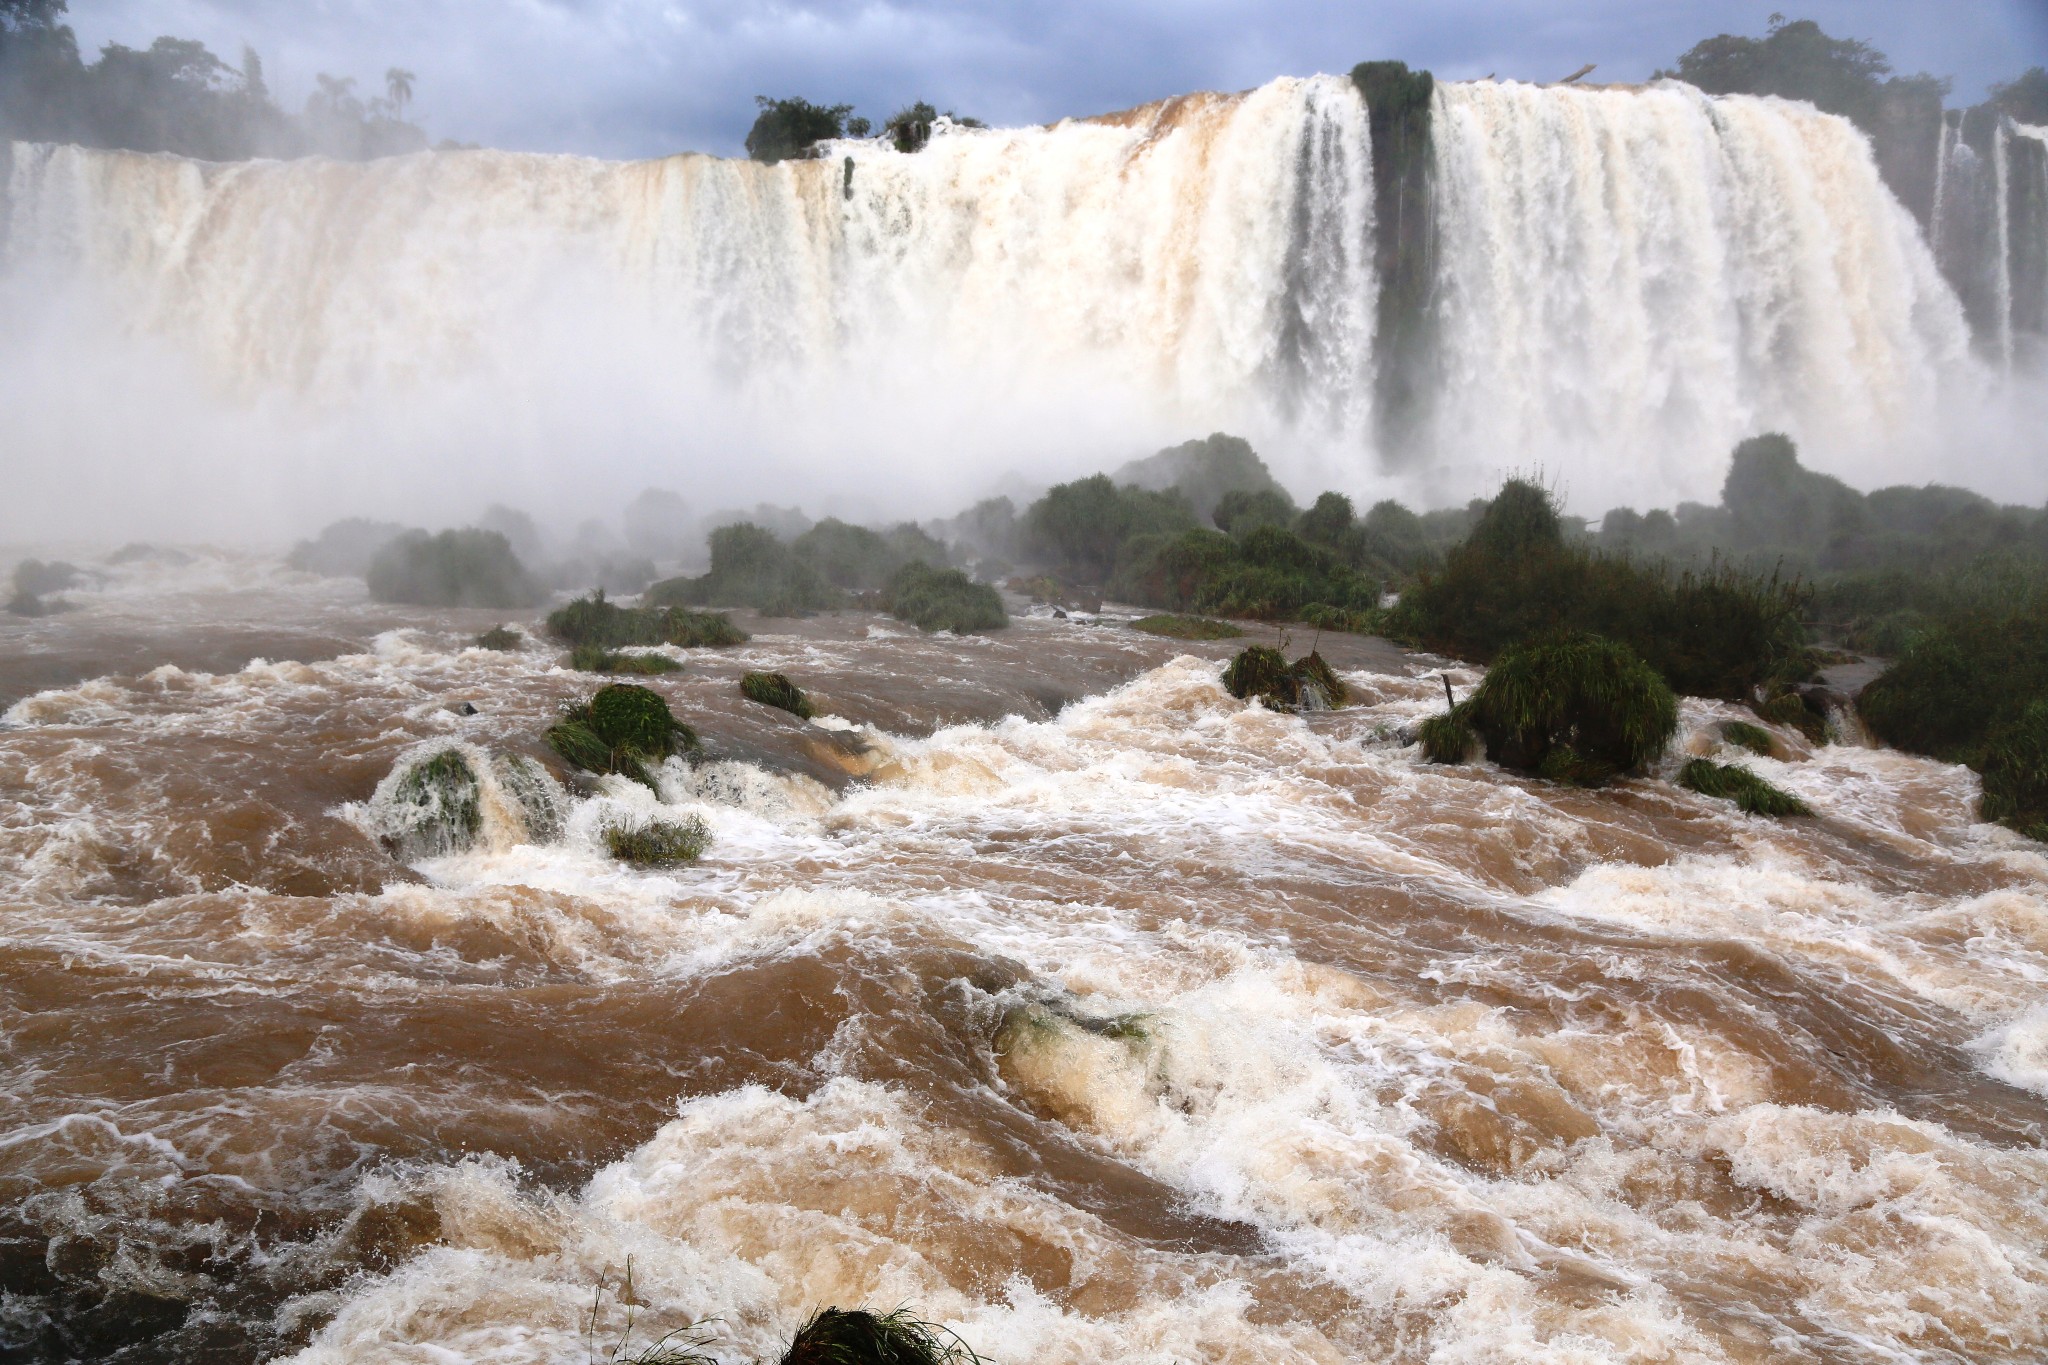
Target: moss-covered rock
(595,621)
(943,599)
(1593,697)
(656,842)
(776,690)
(467,568)
(1307,684)
(1187,628)
(625,729)
(1733,782)
(435,807)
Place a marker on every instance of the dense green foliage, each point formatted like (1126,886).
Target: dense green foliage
(854,1336)
(598,659)
(751,567)
(910,127)
(787,130)
(344,549)
(1268,574)
(594,621)
(502,638)
(1446,738)
(656,842)
(177,96)
(1240,512)
(1968,678)
(1574,707)
(776,690)
(1202,472)
(2015,771)
(467,568)
(1262,672)
(1720,631)
(1733,782)
(1079,528)
(624,728)
(942,599)
(1797,60)
(1187,628)
(857,558)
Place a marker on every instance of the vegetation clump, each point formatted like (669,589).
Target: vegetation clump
(1733,782)
(2015,772)
(435,807)
(1795,711)
(943,599)
(1743,735)
(859,558)
(854,1336)
(625,729)
(776,690)
(500,638)
(657,842)
(790,129)
(1307,684)
(1447,738)
(594,621)
(751,567)
(467,568)
(598,659)
(1574,708)
(1187,628)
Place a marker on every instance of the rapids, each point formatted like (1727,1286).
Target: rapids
(1041,986)
(1626,281)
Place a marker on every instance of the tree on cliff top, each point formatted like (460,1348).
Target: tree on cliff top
(786,130)
(1795,59)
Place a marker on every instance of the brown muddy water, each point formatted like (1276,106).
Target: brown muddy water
(1039,985)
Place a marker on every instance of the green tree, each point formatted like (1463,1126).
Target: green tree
(2024,98)
(398,87)
(786,130)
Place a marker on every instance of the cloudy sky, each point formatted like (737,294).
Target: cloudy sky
(646,77)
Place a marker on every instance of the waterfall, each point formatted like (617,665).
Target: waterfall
(1623,282)
(1634,279)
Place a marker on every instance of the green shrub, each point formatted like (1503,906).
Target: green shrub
(2015,770)
(1187,628)
(1239,512)
(773,689)
(1592,696)
(1327,521)
(1080,527)
(1268,574)
(597,659)
(854,1336)
(657,842)
(750,567)
(594,621)
(467,568)
(625,729)
(788,129)
(500,638)
(1447,738)
(855,557)
(1743,735)
(943,599)
(1732,782)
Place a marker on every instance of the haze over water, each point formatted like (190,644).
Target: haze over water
(1039,983)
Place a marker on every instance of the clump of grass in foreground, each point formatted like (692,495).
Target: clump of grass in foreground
(657,842)
(500,638)
(1187,628)
(943,599)
(854,1336)
(773,689)
(624,729)
(1733,782)
(1574,708)
(1743,735)
(598,659)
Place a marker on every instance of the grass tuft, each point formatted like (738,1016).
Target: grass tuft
(773,689)
(657,842)
(854,1336)
(1743,735)
(1187,628)
(2015,769)
(1732,782)
(1447,738)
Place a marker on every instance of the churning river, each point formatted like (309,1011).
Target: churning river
(1038,984)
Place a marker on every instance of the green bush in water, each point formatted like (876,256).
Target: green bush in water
(657,842)
(468,568)
(751,567)
(1595,697)
(625,729)
(1743,735)
(435,808)
(500,638)
(2015,771)
(594,621)
(1262,672)
(773,689)
(1732,782)
(1447,738)
(1187,628)
(943,599)
(1792,710)
(854,1336)
(597,659)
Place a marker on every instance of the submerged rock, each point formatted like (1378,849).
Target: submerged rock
(1307,684)
(438,801)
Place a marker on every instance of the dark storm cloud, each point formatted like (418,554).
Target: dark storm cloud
(642,77)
